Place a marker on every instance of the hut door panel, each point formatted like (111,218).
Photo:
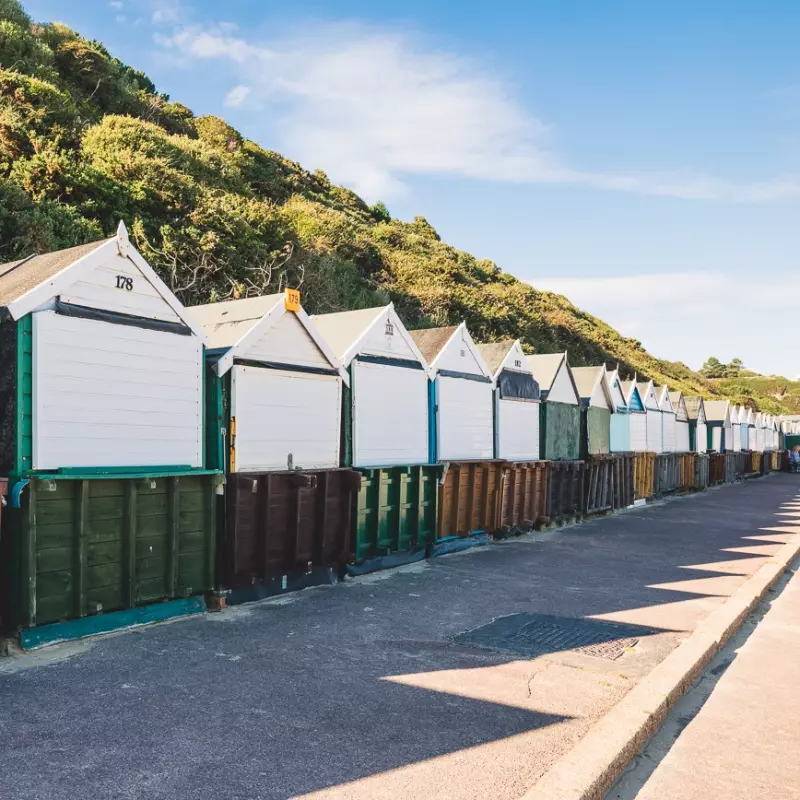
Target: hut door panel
(108,395)
(518,430)
(285,420)
(638,433)
(701,444)
(621,432)
(682,437)
(390,415)
(465,419)
(737,438)
(655,438)
(668,428)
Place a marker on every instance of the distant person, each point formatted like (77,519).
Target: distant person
(795,459)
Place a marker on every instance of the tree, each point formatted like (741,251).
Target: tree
(379,212)
(713,368)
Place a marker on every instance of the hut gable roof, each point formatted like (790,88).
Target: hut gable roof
(718,411)
(263,329)
(452,350)
(633,397)
(430,341)
(695,409)
(551,371)
(508,355)
(679,404)
(593,387)
(368,331)
(664,400)
(89,276)
(617,392)
(648,394)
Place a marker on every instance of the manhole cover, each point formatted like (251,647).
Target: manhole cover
(532,635)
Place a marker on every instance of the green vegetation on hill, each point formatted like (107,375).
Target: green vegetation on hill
(86,140)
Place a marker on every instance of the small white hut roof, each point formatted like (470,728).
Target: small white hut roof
(27,283)
(235,325)
(346,331)
(587,380)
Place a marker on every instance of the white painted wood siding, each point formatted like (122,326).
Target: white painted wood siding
(562,390)
(655,434)
(287,342)
(737,438)
(464,420)
(458,355)
(668,432)
(638,422)
(109,395)
(390,415)
(702,438)
(682,437)
(716,439)
(518,430)
(745,429)
(280,413)
(100,289)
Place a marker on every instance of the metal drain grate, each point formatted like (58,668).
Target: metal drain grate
(532,635)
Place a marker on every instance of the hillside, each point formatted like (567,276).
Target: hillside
(86,140)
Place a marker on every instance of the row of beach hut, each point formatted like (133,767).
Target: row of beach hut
(155,453)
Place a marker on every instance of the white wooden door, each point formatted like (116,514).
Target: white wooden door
(668,423)
(655,437)
(737,438)
(638,422)
(390,415)
(518,430)
(109,395)
(284,419)
(464,419)
(681,437)
(701,445)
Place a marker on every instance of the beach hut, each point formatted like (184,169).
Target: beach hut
(736,428)
(747,423)
(696,413)
(655,432)
(620,419)
(516,401)
(281,382)
(561,407)
(681,422)
(637,416)
(461,395)
(102,426)
(757,432)
(668,431)
(598,404)
(718,425)
(386,404)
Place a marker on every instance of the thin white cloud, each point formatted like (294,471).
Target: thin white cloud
(689,316)
(166,12)
(117,4)
(373,107)
(237,96)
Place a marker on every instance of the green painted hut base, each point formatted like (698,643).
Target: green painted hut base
(77,547)
(396,516)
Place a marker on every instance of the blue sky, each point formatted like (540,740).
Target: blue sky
(642,158)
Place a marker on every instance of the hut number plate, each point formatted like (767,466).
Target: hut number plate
(125,282)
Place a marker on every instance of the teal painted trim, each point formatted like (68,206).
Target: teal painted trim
(433,421)
(106,623)
(23,450)
(100,474)
(203,410)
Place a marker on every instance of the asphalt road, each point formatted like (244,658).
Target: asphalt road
(361,690)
